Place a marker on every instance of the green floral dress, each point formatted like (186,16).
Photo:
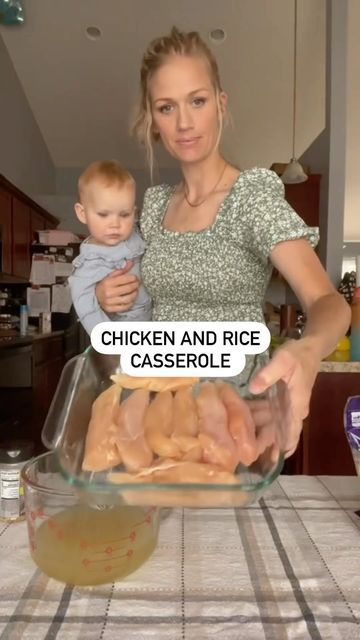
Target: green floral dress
(222,272)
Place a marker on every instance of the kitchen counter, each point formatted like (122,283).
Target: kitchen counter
(286,567)
(18,341)
(30,368)
(340,367)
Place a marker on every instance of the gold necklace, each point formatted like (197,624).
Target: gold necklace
(197,204)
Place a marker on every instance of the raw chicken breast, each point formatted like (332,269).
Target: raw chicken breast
(159,426)
(178,471)
(186,425)
(181,473)
(240,423)
(218,445)
(153,384)
(101,451)
(130,439)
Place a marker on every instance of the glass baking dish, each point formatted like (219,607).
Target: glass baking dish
(86,376)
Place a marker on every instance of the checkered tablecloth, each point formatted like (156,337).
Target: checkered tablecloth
(286,568)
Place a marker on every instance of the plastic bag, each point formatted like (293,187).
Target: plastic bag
(352,428)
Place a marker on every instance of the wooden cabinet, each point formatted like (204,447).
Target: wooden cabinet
(20,217)
(48,361)
(20,239)
(323,448)
(26,394)
(5,231)
(37,223)
(305,199)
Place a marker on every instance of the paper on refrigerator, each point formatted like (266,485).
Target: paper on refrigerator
(63,269)
(42,269)
(38,301)
(61,298)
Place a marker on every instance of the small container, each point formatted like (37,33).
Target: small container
(45,322)
(3,298)
(13,456)
(23,319)
(5,321)
(355,326)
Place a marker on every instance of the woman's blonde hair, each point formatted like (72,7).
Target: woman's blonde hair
(176,43)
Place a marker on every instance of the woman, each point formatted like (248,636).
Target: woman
(214,238)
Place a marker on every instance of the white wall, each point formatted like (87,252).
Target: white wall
(61,204)
(82,93)
(24,157)
(352,180)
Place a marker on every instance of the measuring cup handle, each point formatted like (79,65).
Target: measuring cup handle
(55,420)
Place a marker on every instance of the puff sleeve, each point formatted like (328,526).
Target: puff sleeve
(270,218)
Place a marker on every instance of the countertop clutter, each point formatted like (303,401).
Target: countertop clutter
(286,567)
(18,341)
(340,367)
(30,368)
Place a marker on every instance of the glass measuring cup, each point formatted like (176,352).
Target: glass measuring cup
(79,542)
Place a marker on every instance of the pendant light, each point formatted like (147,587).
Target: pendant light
(293,172)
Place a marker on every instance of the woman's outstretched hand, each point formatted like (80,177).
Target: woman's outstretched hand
(117,292)
(295,368)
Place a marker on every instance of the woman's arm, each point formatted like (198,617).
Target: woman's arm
(297,362)
(327,312)
(117,292)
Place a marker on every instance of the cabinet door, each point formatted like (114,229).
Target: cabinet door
(37,223)
(305,199)
(48,361)
(45,379)
(5,231)
(21,238)
(324,449)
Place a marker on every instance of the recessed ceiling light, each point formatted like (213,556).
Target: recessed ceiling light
(217,35)
(93,33)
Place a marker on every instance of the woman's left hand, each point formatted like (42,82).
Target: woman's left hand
(296,366)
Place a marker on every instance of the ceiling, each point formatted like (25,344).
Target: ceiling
(82,92)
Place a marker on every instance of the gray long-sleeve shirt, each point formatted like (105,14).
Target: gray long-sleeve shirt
(94,263)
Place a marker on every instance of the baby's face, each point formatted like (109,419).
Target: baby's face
(108,212)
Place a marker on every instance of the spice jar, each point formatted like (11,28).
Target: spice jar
(45,322)
(13,455)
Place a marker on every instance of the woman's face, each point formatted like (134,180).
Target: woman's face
(184,109)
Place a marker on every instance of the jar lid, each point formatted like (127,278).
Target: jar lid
(13,451)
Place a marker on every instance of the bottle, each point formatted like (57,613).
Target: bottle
(13,456)
(355,326)
(23,319)
(45,322)
(288,322)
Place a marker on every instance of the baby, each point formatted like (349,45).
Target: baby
(107,206)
